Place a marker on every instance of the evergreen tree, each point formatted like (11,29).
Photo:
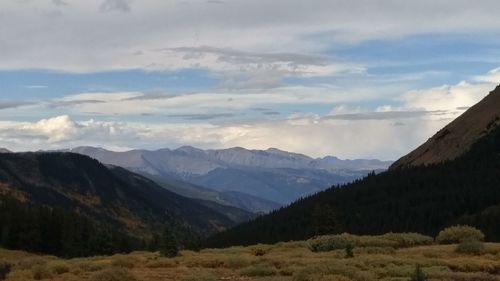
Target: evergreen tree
(168,244)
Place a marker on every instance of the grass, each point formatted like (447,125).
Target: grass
(390,257)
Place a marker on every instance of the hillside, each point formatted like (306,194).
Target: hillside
(255,180)
(233,199)
(419,198)
(108,194)
(458,137)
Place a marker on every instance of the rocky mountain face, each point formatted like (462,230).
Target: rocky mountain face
(108,194)
(457,138)
(257,180)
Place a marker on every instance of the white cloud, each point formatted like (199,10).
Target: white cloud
(451,99)
(313,138)
(348,130)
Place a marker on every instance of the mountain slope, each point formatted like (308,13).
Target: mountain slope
(235,199)
(457,138)
(275,176)
(422,199)
(109,194)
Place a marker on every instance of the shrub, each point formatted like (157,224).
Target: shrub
(349,251)
(123,262)
(329,243)
(41,272)
(260,250)
(113,274)
(470,247)
(29,263)
(235,261)
(258,270)
(162,263)
(418,274)
(201,278)
(87,266)
(459,233)
(59,268)
(409,239)
(389,240)
(4,269)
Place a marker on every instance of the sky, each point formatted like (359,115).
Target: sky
(353,79)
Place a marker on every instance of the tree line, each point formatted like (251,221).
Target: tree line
(64,233)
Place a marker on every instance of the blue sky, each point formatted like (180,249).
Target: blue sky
(357,79)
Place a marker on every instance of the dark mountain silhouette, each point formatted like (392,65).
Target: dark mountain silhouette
(452,179)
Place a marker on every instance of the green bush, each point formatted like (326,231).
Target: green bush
(113,274)
(330,243)
(389,240)
(410,239)
(459,233)
(470,247)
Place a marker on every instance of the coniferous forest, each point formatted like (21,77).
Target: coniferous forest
(422,199)
(58,232)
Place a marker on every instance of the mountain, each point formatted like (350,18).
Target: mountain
(4,150)
(108,194)
(256,180)
(235,199)
(457,138)
(419,195)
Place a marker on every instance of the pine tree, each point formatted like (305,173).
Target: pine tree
(168,244)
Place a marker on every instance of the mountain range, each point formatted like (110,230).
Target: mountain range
(451,179)
(254,180)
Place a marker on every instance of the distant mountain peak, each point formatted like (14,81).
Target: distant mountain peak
(457,138)
(5,150)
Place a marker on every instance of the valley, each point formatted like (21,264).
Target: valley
(374,258)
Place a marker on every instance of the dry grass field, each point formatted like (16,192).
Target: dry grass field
(389,257)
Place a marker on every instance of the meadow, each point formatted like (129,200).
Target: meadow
(341,257)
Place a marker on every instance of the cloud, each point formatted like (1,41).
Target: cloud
(59,3)
(6,104)
(200,117)
(245,118)
(35,87)
(112,41)
(387,115)
(115,5)
(448,98)
(62,132)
